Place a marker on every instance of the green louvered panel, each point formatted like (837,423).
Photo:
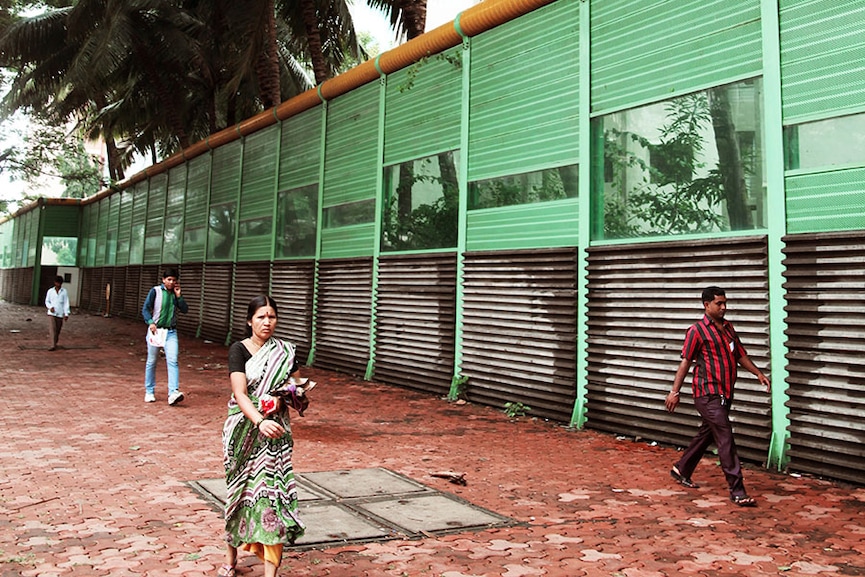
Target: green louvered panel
(124,226)
(61,220)
(20,243)
(33,235)
(645,51)
(300,151)
(195,224)
(83,245)
(139,220)
(348,241)
(258,193)
(826,201)
(525,95)
(172,246)
(226,173)
(102,220)
(351,155)
(541,225)
(156,196)
(113,224)
(822,57)
(422,108)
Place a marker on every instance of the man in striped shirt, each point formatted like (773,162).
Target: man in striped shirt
(713,346)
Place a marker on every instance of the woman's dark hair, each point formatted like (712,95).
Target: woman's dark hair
(257,303)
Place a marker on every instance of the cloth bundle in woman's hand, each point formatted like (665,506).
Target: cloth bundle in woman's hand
(294,393)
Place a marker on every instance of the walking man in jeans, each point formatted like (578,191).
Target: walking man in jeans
(160,313)
(713,345)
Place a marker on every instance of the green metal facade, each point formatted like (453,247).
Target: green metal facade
(512,102)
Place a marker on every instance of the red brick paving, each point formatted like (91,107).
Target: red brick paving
(93,480)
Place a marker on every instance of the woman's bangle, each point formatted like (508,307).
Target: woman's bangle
(674,393)
(258,424)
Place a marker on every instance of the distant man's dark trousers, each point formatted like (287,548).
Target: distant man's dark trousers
(715,427)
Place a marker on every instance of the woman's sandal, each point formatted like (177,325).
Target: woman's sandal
(743,500)
(226,571)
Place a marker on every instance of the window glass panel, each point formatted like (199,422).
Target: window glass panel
(693,164)
(220,239)
(421,209)
(360,212)
(59,250)
(297,214)
(172,235)
(527,188)
(824,143)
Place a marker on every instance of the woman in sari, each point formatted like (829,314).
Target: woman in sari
(261,499)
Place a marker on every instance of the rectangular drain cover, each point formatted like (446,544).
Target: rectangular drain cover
(362,505)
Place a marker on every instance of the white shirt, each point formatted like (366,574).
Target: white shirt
(59,301)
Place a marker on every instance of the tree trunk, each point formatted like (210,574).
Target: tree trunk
(413,17)
(313,40)
(730,161)
(267,65)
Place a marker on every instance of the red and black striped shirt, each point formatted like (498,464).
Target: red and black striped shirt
(716,353)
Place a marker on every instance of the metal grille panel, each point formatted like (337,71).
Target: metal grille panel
(642,299)
(415,316)
(251,279)
(825,361)
(191,276)
(133,301)
(216,316)
(292,286)
(343,315)
(519,330)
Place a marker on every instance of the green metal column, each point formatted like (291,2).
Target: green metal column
(239,198)
(319,226)
(457,380)
(578,417)
(777,222)
(379,210)
(37,264)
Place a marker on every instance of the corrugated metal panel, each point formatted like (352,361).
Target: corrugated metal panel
(195,225)
(826,201)
(251,279)
(423,108)
(139,221)
(519,330)
(216,310)
(343,315)
(415,321)
(826,366)
(822,57)
(118,291)
(292,286)
(86,295)
(540,225)
(106,279)
(124,227)
(524,103)
(225,181)
(61,220)
(300,151)
(642,299)
(133,300)
(351,162)
(156,195)
(646,51)
(22,285)
(257,197)
(102,219)
(348,241)
(150,276)
(191,277)
(172,235)
(113,223)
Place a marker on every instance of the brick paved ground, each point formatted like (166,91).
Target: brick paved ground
(93,481)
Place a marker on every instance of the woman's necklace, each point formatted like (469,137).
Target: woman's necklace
(257,344)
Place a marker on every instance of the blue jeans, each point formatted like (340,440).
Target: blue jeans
(172,347)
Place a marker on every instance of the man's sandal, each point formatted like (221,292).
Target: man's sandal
(743,500)
(683,480)
(226,571)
